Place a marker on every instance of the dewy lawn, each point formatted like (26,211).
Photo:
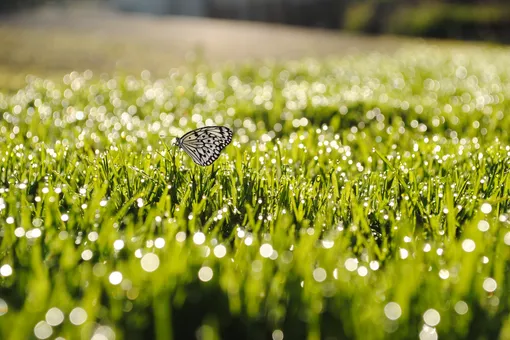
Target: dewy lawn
(364,197)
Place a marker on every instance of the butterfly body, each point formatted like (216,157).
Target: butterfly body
(204,144)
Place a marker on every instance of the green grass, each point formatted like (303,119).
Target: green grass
(362,197)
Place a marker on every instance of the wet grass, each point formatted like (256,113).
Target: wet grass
(362,197)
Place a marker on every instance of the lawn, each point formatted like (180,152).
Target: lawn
(362,197)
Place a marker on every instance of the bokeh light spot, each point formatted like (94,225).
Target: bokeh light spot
(42,330)
(205,274)
(115,278)
(490,285)
(54,316)
(150,262)
(78,316)
(431,317)
(392,310)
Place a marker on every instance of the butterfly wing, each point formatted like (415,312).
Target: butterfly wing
(204,145)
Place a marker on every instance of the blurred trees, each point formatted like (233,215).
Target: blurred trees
(14,4)
(456,19)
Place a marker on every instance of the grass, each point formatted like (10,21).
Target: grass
(362,197)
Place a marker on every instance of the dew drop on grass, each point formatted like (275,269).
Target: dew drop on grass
(486,208)
(328,244)
(468,245)
(115,278)
(180,236)
(150,262)
(494,301)
(240,233)
(199,238)
(248,240)
(42,330)
(351,264)
(362,271)
(256,266)
(139,202)
(277,335)
(483,225)
(118,245)
(159,243)
(319,274)
(54,316)
(103,333)
(19,232)
(4,308)
(266,250)
(403,253)
(33,233)
(490,285)
(6,270)
(444,274)
(93,236)
(205,274)
(99,337)
(78,316)
(506,239)
(461,307)
(374,265)
(428,333)
(431,317)
(287,257)
(392,310)
(220,251)
(86,255)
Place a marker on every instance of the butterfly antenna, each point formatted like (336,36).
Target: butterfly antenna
(173,144)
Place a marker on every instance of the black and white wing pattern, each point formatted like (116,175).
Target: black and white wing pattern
(204,145)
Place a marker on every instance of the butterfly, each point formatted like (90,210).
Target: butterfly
(204,144)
